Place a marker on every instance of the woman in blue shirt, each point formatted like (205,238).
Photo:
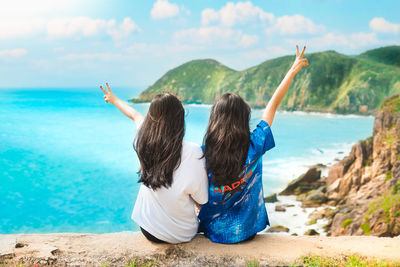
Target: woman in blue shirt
(235,211)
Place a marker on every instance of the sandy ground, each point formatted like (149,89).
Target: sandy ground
(116,249)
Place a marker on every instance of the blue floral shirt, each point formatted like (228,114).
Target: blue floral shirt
(236,211)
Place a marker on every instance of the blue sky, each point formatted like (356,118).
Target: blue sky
(131,43)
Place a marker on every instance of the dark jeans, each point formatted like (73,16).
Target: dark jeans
(151,237)
(249,239)
(154,239)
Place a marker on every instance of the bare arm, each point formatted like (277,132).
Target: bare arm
(197,206)
(129,111)
(280,92)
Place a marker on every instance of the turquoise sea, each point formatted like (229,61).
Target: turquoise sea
(67,163)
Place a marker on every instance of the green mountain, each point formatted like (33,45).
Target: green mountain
(332,82)
(388,55)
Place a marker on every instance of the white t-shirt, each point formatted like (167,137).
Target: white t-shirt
(169,213)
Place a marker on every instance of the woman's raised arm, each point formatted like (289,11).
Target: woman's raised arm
(280,92)
(129,111)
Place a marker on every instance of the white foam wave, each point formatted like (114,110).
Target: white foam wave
(285,170)
(295,217)
(198,105)
(323,114)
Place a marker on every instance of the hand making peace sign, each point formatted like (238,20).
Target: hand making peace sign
(109,97)
(300,61)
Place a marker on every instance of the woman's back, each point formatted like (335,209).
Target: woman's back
(236,211)
(172,171)
(168,213)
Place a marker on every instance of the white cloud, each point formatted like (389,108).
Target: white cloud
(12,28)
(182,48)
(185,10)
(133,52)
(13,53)
(208,16)
(66,27)
(149,50)
(362,39)
(215,36)
(23,9)
(162,9)
(248,40)
(137,47)
(203,34)
(269,52)
(232,14)
(296,24)
(242,13)
(124,29)
(339,40)
(91,56)
(59,49)
(82,26)
(384,26)
(85,26)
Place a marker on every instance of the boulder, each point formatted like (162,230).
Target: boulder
(315,199)
(312,175)
(271,198)
(280,208)
(304,183)
(278,229)
(381,229)
(395,226)
(318,196)
(311,232)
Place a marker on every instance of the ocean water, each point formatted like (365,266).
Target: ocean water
(67,163)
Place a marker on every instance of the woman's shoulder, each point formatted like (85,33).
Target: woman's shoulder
(191,149)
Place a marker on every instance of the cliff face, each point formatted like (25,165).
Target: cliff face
(366,184)
(361,194)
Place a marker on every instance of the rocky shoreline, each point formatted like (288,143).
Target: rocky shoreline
(361,193)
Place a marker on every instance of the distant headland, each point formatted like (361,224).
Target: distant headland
(333,82)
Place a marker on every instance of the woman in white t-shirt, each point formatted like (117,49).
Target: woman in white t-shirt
(172,171)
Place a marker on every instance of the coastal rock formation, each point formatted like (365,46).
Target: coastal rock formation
(365,185)
(309,188)
(304,183)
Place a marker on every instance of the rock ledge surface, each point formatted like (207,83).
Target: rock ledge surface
(117,249)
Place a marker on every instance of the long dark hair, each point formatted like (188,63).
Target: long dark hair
(227,139)
(159,141)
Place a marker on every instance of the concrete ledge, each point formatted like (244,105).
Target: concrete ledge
(116,249)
